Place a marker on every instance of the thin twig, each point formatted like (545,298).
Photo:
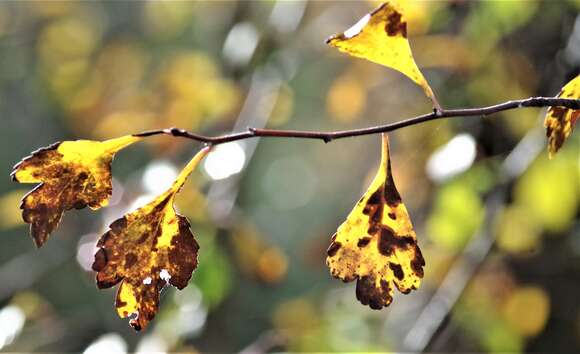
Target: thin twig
(329,136)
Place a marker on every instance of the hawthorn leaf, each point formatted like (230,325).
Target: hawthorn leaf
(560,121)
(146,249)
(70,174)
(377,245)
(381,37)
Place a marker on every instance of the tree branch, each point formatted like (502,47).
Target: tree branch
(329,136)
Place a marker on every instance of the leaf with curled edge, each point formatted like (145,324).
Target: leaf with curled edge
(71,174)
(381,37)
(146,249)
(560,121)
(377,245)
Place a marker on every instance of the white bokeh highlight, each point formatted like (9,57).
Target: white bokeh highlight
(12,320)
(240,43)
(225,160)
(110,343)
(158,177)
(452,158)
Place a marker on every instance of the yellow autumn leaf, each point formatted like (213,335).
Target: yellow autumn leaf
(146,249)
(71,174)
(381,37)
(560,121)
(377,245)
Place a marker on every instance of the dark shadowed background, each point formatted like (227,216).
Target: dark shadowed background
(497,221)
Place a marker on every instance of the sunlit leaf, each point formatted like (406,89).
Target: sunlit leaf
(146,249)
(71,174)
(376,245)
(381,37)
(560,121)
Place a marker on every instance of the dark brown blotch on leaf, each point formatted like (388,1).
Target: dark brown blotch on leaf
(397,270)
(389,241)
(333,248)
(364,241)
(374,207)
(395,25)
(391,194)
(368,294)
(130,260)
(418,263)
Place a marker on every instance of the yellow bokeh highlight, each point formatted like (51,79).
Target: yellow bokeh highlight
(122,64)
(51,8)
(516,232)
(192,202)
(167,19)
(66,39)
(31,303)
(256,258)
(282,103)
(195,91)
(296,317)
(10,213)
(549,190)
(272,265)
(527,310)
(346,99)
(123,122)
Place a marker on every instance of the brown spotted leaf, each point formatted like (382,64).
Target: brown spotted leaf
(381,37)
(146,249)
(376,245)
(71,174)
(560,121)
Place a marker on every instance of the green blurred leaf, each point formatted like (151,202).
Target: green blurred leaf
(214,273)
(456,215)
(549,190)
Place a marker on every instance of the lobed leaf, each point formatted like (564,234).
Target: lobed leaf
(381,37)
(146,249)
(377,245)
(71,174)
(560,121)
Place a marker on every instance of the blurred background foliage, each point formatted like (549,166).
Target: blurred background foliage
(498,222)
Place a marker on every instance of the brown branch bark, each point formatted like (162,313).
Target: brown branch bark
(329,136)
